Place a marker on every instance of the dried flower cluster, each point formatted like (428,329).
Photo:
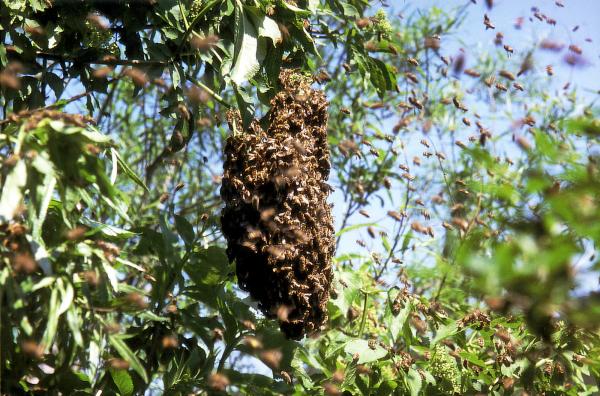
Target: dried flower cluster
(276,219)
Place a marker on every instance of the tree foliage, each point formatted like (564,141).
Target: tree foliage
(466,200)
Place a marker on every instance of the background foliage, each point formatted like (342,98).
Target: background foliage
(467,201)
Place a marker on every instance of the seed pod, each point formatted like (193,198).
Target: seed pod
(275,266)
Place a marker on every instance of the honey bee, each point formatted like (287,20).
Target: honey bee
(395,215)
(445,60)
(364,213)
(458,104)
(488,24)
(417,161)
(472,73)
(412,77)
(447,226)
(508,49)
(506,74)
(499,38)
(418,227)
(575,49)
(427,154)
(518,86)
(549,70)
(345,110)
(490,81)
(371,231)
(501,87)
(466,121)
(461,144)
(424,143)
(408,176)
(387,183)
(441,156)
(413,61)
(415,102)
(404,167)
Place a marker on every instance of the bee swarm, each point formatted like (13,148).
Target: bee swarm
(276,219)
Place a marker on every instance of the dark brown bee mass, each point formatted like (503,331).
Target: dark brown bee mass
(276,220)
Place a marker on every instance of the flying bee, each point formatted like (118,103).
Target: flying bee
(424,143)
(364,213)
(575,49)
(499,38)
(408,176)
(466,121)
(472,73)
(412,77)
(441,156)
(488,24)
(472,138)
(404,105)
(518,86)
(445,60)
(417,161)
(461,144)
(456,102)
(404,167)
(361,243)
(415,102)
(549,70)
(418,227)
(508,49)
(501,87)
(461,223)
(420,202)
(559,3)
(387,183)
(371,231)
(490,81)
(395,215)
(447,226)
(427,154)
(413,61)
(345,110)
(506,74)
(346,67)
(425,213)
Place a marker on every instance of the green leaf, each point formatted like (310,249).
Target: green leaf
(128,355)
(366,354)
(12,192)
(245,105)
(122,379)
(444,332)
(185,229)
(246,61)
(3,59)
(250,25)
(129,172)
(106,230)
(386,388)
(414,382)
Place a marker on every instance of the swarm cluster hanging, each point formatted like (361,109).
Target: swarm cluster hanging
(276,219)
